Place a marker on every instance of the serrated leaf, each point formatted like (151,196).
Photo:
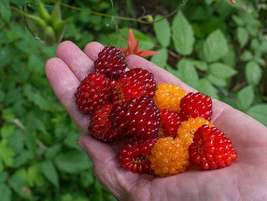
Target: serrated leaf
(50,172)
(188,73)
(162,30)
(253,73)
(245,98)
(161,58)
(230,58)
(259,112)
(206,87)
(221,70)
(246,56)
(242,36)
(215,46)
(72,161)
(200,65)
(5,193)
(6,154)
(5,11)
(217,81)
(182,34)
(34,176)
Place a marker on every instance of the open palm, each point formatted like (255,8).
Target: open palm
(245,180)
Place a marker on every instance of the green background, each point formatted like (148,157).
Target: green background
(218,48)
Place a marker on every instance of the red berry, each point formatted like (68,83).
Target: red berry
(111,62)
(134,156)
(100,125)
(93,92)
(134,83)
(196,105)
(138,118)
(170,122)
(211,149)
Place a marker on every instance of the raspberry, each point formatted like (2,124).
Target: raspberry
(196,105)
(111,62)
(93,92)
(211,149)
(138,118)
(134,156)
(168,157)
(168,96)
(133,84)
(188,128)
(170,121)
(100,125)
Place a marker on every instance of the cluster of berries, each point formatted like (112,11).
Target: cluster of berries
(163,128)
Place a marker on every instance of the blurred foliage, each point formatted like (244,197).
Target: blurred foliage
(216,47)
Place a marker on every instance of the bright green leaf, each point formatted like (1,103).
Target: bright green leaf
(5,193)
(215,47)
(245,98)
(253,73)
(72,161)
(206,87)
(188,73)
(182,34)
(217,81)
(221,70)
(50,172)
(259,112)
(162,30)
(6,154)
(242,36)
(161,58)
(200,65)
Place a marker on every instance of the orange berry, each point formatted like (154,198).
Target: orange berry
(168,157)
(188,128)
(168,96)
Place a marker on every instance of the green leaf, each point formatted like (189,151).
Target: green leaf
(5,193)
(50,172)
(162,30)
(246,56)
(200,65)
(5,11)
(242,36)
(72,161)
(182,34)
(161,58)
(259,112)
(6,154)
(215,46)
(34,176)
(217,81)
(221,70)
(187,72)
(206,87)
(253,73)
(18,184)
(245,98)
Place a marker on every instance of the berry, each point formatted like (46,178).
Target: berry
(111,62)
(188,128)
(168,96)
(134,83)
(93,92)
(168,157)
(196,105)
(100,125)
(138,118)
(170,121)
(134,156)
(211,149)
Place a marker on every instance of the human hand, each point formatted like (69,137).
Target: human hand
(245,180)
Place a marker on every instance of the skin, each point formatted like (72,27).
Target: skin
(245,180)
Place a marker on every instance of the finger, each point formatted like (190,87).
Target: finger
(79,63)
(92,49)
(162,75)
(64,84)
